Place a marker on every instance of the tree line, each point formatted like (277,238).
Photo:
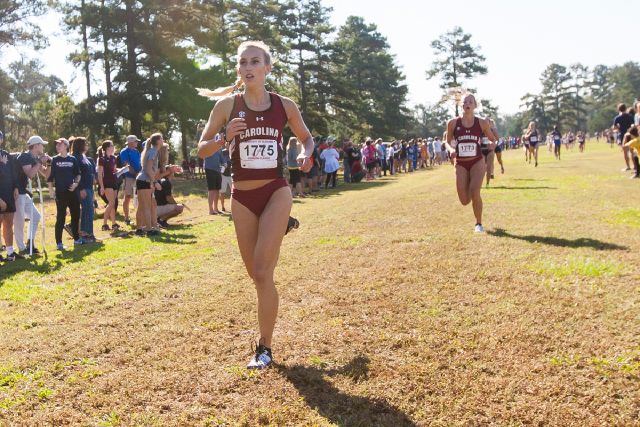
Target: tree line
(141,62)
(577,98)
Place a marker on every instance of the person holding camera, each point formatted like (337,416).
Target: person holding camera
(65,173)
(28,164)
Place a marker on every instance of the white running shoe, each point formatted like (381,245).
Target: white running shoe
(479,228)
(261,357)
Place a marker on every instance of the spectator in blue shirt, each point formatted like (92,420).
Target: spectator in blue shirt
(213,171)
(130,156)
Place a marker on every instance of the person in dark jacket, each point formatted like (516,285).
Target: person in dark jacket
(65,174)
(8,194)
(85,187)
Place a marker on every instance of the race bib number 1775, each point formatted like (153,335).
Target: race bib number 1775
(259,154)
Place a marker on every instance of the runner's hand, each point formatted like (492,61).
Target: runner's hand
(101,191)
(158,186)
(235,127)
(3,159)
(304,163)
(3,205)
(491,146)
(453,156)
(83,194)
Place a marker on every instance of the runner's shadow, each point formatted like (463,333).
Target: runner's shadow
(583,242)
(176,239)
(338,407)
(502,187)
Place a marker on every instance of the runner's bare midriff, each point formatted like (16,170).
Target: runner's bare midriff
(251,184)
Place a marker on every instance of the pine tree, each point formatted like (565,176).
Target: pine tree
(459,60)
(370,98)
(556,94)
(579,84)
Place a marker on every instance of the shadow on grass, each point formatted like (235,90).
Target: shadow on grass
(176,239)
(338,407)
(45,264)
(583,242)
(523,188)
(345,188)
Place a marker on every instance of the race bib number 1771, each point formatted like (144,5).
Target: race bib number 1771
(259,154)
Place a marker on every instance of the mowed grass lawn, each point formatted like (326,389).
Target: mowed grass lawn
(392,311)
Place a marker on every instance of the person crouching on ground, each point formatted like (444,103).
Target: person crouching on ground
(167,207)
(65,173)
(357,173)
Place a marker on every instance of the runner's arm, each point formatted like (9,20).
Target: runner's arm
(217,120)
(451,125)
(300,130)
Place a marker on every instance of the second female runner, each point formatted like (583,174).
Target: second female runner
(261,198)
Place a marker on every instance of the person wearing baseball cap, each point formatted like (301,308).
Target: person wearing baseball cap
(28,164)
(130,156)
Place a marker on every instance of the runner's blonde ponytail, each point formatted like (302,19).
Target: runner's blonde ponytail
(221,91)
(226,90)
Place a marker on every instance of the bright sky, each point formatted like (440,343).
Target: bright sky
(518,38)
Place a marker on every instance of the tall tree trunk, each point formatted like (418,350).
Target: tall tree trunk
(134,101)
(2,123)
(303,89)
(106,58)
(184,143)
(455,82)
(87,72)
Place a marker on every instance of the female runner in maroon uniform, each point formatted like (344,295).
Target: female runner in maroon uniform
(464,135)
(261,199)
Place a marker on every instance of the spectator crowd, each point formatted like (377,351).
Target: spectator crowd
(141,170)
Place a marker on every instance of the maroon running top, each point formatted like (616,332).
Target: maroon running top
(467,141)
(259,150)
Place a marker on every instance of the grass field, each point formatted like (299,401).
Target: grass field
(392,312)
